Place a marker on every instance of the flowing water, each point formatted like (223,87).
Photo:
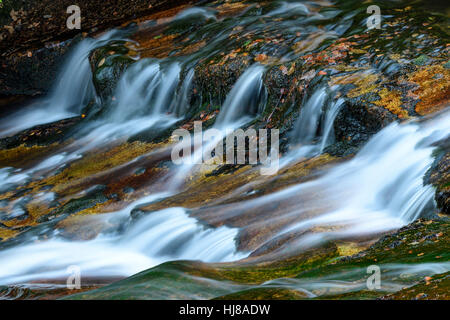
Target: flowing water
(378,190)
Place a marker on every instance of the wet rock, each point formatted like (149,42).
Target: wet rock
(35,36)
(41,135)
(214,81)
(93,197)
(357,122)
(108,64)
(439,176)
(33,72)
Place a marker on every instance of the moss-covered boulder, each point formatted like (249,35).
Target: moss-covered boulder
(196,280)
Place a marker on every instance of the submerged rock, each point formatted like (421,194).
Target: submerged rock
(196,280)
(424,241)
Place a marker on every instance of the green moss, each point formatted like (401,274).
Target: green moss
(436,287)
(421,60)
(424,241)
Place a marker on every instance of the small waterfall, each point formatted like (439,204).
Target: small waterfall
(244,100)
(307,124)
(145,97)
(147,88)
(328,130)
(381,188)
(73,89)
(182,101)
(161,236)
(313,130)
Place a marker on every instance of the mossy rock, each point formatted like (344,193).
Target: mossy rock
(197,280)
(436,287)
(108,63)
(422,242)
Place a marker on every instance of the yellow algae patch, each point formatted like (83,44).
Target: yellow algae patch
(434,88)
(342,67)
(202,189)
(304,168)
(391,100)
(7,195)
(98,162)
(35,209)
(21,155)
(6,234)
(350,248)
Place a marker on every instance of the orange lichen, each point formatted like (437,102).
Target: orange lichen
(368,83)
(21,155)
(332,55)
(391,100)
(72,179)
(152,46)
(433,90)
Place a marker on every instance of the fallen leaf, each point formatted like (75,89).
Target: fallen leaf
(261,57)
(101,62)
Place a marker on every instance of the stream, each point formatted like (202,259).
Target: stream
(139,210)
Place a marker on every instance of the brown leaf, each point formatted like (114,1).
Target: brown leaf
(261,57)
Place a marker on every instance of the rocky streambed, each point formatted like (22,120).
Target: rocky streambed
(363,179)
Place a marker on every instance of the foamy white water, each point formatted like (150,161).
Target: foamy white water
(380,189)
(165,235)
(244,99)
